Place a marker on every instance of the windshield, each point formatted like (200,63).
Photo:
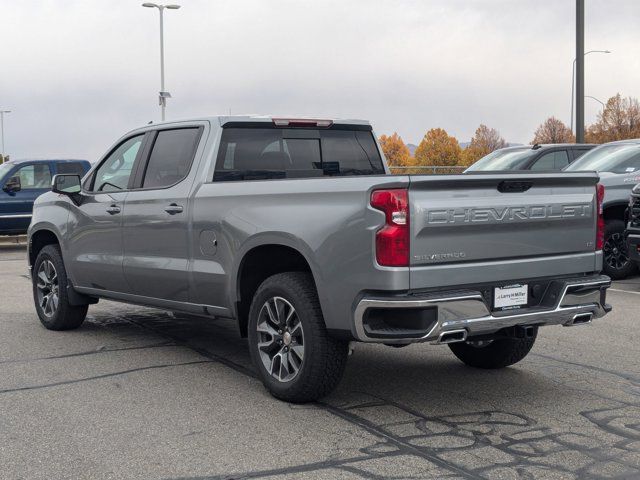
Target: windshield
(4,169)
(620,158)
(502,160)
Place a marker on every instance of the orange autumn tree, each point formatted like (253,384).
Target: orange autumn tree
(397,153)
(553,130)
(619,120)
(484,141)
(438,148)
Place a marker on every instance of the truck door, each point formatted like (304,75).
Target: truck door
(156,220)
(95,224)
(20,188)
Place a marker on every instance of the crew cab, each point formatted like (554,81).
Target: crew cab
(296,229)
(22,181)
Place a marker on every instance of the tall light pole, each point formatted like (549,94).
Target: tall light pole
(573,80)
(163,94)
(2,112)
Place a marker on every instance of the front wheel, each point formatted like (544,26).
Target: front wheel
(295,357)
(498,353)
(616,262)
(49,279)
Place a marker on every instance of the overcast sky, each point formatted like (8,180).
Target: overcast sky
(79,74)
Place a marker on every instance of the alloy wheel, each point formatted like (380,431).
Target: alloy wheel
(280,339)
(48,288)
(615,251)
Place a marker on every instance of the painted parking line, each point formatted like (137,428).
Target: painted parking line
(622,291)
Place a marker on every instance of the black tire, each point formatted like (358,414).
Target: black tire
(324,358)
(62,316)
(616,262)
(499,353)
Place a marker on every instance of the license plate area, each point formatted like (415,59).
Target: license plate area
(510,297)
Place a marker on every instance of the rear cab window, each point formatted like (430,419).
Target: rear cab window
(259,153)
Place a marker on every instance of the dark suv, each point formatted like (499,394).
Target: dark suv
(548,157)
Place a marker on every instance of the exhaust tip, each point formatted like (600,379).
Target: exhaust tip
(453,336)
(582,318)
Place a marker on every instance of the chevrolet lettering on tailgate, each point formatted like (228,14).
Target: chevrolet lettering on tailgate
(507,214)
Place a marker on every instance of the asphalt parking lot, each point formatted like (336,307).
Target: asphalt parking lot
(139,393)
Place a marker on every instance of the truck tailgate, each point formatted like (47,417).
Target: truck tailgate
(477,228)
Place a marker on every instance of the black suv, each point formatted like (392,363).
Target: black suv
(547,157)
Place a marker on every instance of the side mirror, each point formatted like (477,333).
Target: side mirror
(66,184)
(13,185)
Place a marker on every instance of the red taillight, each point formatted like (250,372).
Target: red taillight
(600,221)
(392,240)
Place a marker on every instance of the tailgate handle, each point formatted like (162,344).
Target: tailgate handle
(514,186)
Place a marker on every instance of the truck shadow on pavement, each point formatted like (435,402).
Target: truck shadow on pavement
(456,421)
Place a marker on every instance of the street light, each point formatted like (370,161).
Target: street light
(594,98)
(163,95)
(573,80)
(2,112)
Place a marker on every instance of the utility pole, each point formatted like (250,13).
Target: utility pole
(2,112)
(579,71)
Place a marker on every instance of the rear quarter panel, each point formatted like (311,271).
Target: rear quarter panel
(328,220)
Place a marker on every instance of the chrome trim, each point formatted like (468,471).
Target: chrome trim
(443,337)
(581,318)
(17,215)
(467,310)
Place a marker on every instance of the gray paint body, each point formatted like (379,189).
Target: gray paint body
(190,261)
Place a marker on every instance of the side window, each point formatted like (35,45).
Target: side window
(171,157)
(562,159)
(37,175)
(552,161)
(71,168)
(115,171)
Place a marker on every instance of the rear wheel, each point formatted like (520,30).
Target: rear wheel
(295,357)
(498,353)
(616,261)
(49,279)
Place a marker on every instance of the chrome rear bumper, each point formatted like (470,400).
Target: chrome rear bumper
(464,314)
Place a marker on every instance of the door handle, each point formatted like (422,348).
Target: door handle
(173,208)
(113,209)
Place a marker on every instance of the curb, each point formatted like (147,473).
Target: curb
(14,240)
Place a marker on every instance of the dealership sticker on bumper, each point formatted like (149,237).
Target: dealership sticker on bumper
(512,296)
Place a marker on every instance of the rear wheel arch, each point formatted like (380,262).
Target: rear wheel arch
(259,263)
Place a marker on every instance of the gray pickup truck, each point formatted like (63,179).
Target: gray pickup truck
(296,229)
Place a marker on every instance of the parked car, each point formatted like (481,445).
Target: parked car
(294,228)
(618,164)
(22,181)
(547,157)
(632,233)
